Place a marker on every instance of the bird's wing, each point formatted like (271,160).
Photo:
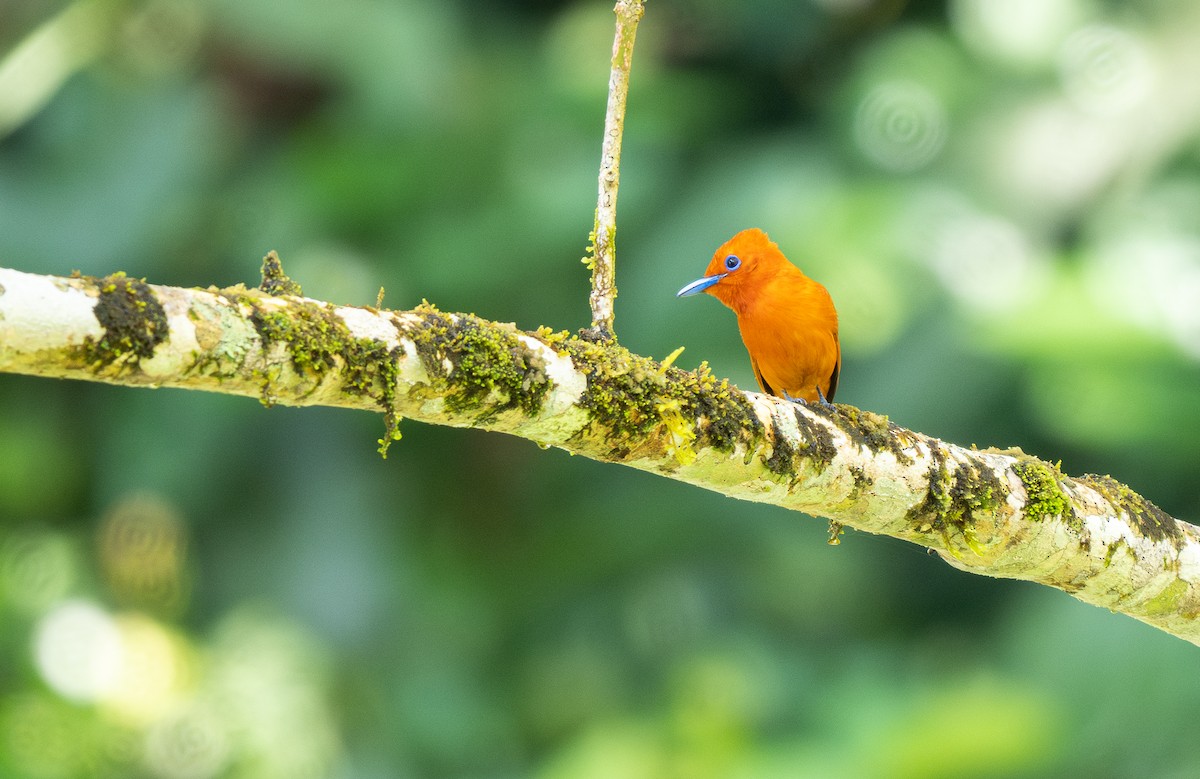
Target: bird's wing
(762,383)
(837,369)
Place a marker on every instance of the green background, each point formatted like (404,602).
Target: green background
(1002,198)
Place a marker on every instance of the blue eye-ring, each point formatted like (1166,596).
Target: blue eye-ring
(733,262)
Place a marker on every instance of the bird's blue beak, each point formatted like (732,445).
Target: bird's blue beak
(699,285)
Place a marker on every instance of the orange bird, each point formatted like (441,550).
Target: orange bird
(787,320)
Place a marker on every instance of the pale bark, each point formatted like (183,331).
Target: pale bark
(1000,513)
(602,253)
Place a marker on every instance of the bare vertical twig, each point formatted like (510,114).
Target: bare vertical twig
(602,252)
(38,66)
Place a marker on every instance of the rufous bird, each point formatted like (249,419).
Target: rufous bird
(787,320)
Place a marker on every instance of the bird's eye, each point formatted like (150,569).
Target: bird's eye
(733,262)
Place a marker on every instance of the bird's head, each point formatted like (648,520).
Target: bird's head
(738,266)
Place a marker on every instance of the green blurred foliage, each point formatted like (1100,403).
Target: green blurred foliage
(1000,195)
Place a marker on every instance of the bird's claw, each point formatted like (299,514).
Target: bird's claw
(820,397)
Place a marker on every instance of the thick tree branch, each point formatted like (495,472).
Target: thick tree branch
(1000,513)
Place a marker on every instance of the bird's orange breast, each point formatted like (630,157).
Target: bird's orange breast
(790,329)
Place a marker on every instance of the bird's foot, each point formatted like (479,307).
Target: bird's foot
(820,397)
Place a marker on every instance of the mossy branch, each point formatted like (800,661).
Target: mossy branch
(602,251)
(999,513)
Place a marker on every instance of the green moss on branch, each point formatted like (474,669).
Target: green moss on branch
(1044,495)
(959,494)
(1147,519)
(488,366)
(874,432)
(134,324)
(631,398)
(318,341)
(274,280)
